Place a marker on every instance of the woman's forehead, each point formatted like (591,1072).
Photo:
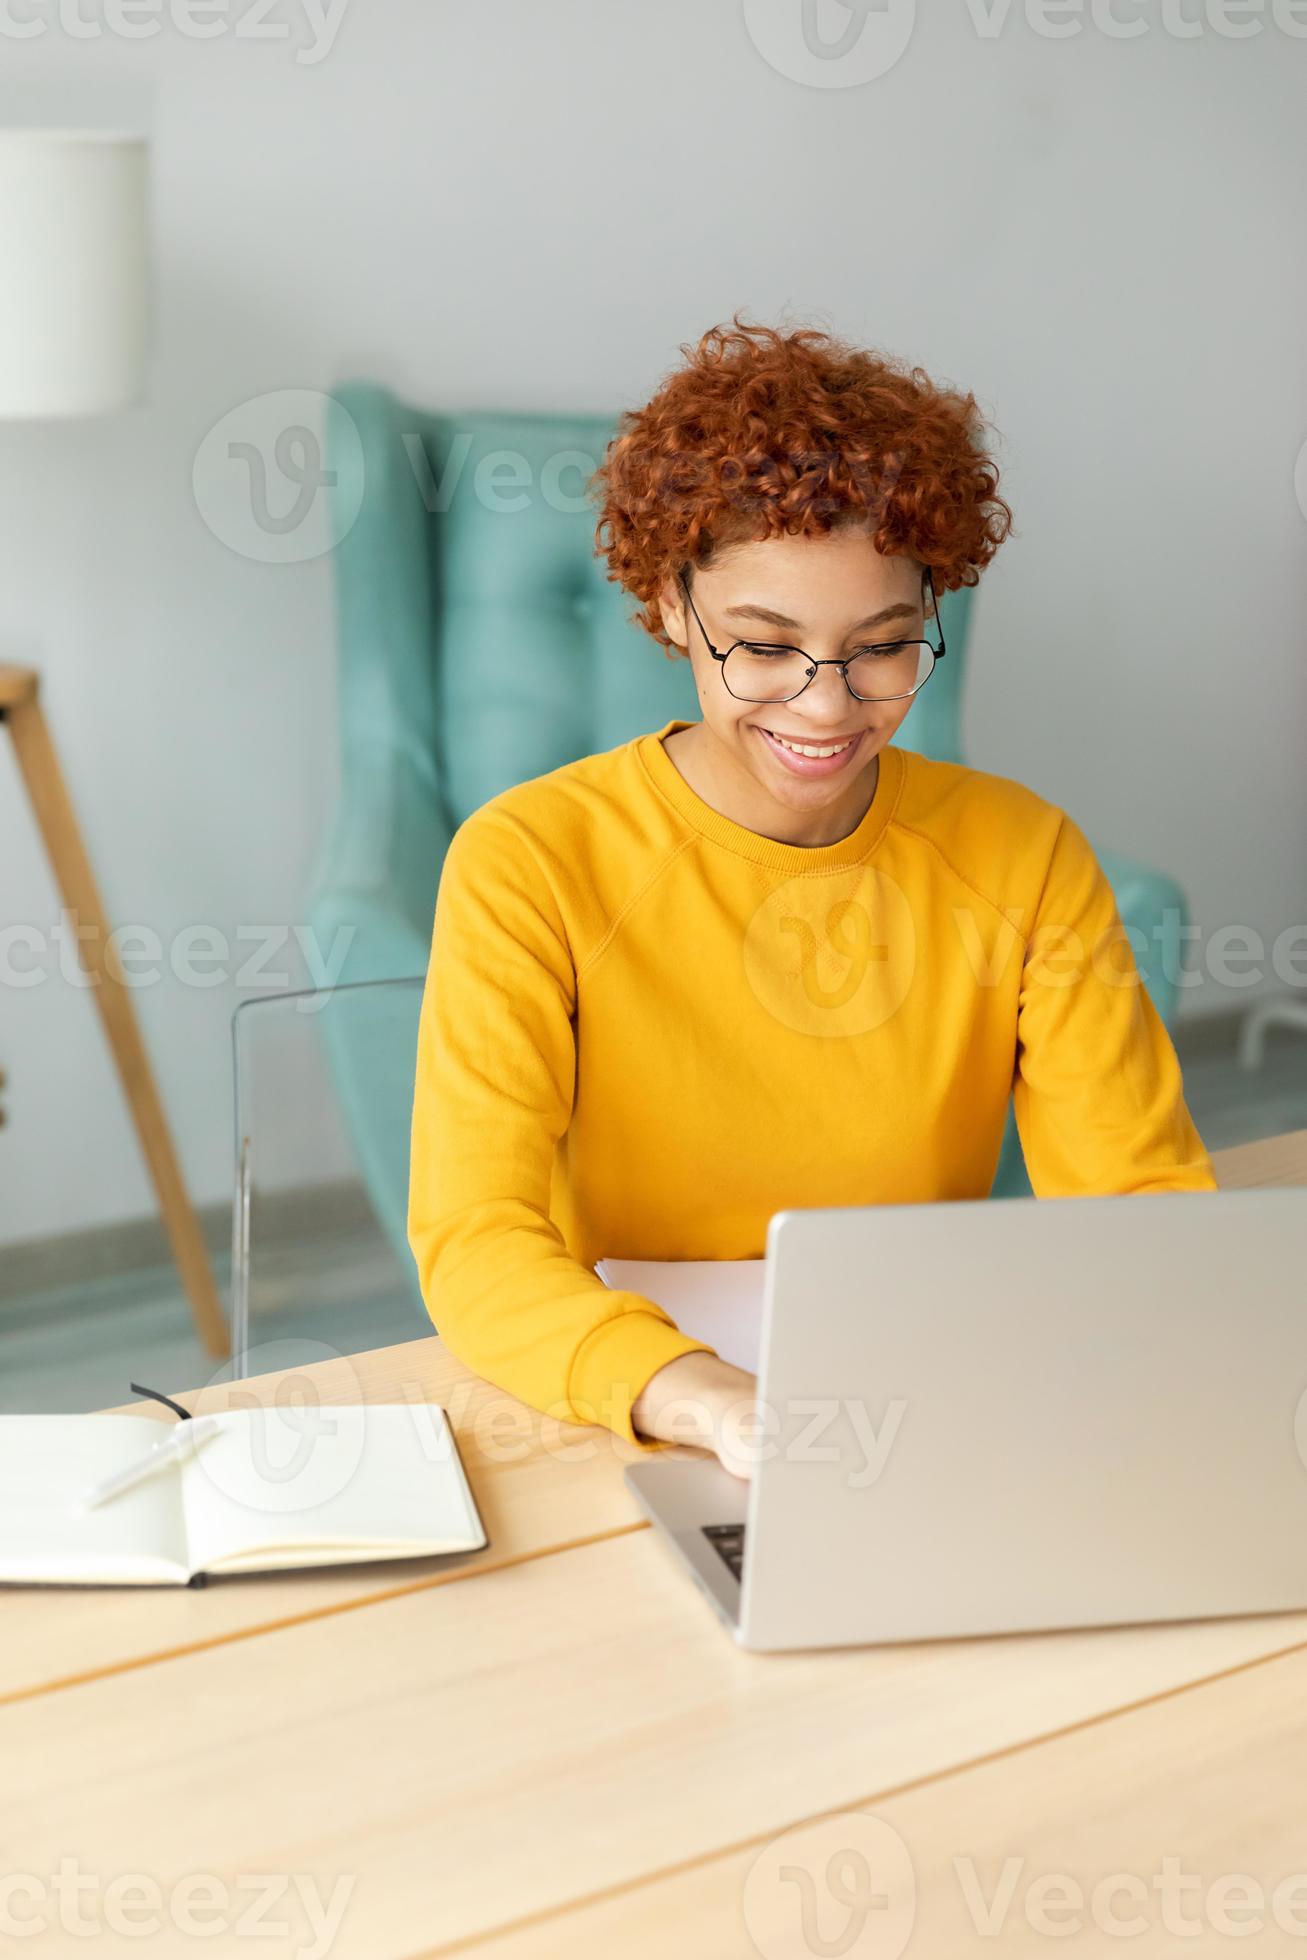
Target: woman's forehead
(822,575)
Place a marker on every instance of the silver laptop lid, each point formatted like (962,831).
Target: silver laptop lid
(1012,1414)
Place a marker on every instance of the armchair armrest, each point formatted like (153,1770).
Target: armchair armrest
(377,884)
(378,874)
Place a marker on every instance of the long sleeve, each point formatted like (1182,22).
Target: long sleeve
(493,1093)
(1098,1094)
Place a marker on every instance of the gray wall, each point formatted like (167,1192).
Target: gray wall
(531,204)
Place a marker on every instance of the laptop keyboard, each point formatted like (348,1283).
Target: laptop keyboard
(729,1541)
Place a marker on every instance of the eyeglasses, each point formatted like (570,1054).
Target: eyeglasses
(755,670)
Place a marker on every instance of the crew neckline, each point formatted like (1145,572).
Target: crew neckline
(673,787)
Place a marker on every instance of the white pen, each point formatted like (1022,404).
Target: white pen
(175,1444)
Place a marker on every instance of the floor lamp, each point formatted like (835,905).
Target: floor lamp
(73,339)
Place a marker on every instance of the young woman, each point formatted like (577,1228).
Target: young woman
(767,959)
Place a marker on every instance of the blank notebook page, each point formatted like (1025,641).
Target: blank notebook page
(48,1463)
(308,1480)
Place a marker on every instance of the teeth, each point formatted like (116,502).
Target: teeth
(806,748)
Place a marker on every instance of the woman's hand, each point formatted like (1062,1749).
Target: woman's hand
(702,1400)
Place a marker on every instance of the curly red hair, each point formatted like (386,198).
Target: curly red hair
(763,432)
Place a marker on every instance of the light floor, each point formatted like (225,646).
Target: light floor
(75,1348)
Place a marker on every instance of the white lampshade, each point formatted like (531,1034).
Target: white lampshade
(73,271)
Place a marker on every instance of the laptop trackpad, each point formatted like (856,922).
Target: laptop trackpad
(702,1509)
(686,1493)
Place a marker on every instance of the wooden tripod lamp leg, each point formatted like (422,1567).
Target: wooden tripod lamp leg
(20,707)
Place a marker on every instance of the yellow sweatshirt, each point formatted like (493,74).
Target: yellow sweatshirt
(645,1029)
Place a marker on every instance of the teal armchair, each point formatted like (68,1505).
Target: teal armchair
(481,644)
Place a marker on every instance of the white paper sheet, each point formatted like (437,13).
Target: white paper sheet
(715,1300)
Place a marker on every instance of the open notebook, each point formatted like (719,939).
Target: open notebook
(714,1300)
(270,1489)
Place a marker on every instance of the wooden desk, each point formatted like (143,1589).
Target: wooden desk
(554,1749)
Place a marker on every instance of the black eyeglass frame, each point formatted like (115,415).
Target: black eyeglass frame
(783,646)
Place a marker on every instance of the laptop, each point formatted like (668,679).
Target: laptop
(997,1416)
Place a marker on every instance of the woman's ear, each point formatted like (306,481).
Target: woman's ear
(675,615)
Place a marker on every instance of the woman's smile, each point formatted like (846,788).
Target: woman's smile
(848,749)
